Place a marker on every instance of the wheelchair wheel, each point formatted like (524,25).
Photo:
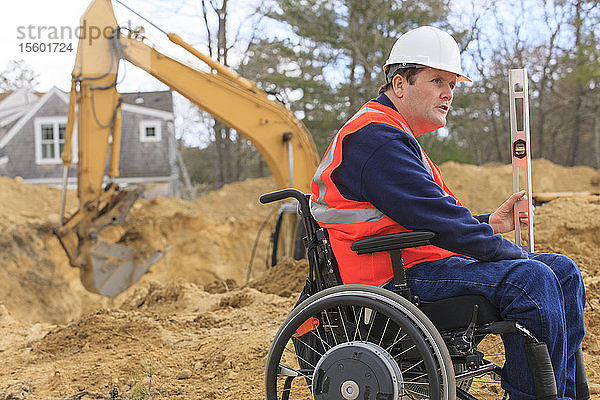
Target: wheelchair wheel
(357,341)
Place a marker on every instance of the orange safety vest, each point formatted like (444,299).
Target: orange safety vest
(348,221)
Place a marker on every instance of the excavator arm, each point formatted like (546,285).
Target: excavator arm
(95,107)
(281,139)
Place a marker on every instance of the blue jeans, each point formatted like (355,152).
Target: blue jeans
(545,293)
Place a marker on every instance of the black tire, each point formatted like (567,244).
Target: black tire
(353,315)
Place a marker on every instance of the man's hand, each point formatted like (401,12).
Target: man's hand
(503,219)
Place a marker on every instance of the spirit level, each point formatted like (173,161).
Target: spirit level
(520,150)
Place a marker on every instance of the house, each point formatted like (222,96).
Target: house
(32,128)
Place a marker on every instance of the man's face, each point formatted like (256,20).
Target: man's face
(426,103)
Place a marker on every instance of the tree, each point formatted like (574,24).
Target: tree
(327,62)
(294,74)
(581,73)
(332,56)
(556,42)
(234,155)
(17,75)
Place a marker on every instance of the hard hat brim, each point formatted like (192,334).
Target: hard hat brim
(460,76)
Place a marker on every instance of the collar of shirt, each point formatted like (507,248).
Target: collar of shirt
(383,99)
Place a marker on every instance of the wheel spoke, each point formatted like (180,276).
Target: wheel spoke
(407,350)
(343,324)
(357,319)
(309,346)
(330,327)
(412,383)
(396,341)
(300,373)
(371,323)
(411,367)
(301,358)
(384,330)
(414,380)
(410,392)
(318,335)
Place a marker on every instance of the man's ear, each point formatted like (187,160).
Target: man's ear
(398,85)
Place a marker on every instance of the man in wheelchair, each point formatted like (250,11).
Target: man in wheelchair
(375,179)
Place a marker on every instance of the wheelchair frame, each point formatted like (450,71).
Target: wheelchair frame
(457,340)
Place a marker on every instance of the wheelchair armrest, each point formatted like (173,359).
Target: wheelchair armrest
(394,241)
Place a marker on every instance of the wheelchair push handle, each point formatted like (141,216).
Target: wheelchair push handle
(280,195)
(285,194)
(302,200)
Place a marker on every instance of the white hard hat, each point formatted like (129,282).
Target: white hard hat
(427,46)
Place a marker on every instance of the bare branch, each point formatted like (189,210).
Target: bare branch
(209,37)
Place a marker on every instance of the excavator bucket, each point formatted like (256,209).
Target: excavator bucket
(105,268)
(114,268)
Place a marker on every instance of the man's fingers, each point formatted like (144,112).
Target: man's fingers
(515,197)
(519,195)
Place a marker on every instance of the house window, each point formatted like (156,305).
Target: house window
(150,131)
(49,139)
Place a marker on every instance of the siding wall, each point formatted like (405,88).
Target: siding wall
(140,159)
(21,149)
(137,159)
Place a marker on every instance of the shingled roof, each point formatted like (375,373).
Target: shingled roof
(159,100)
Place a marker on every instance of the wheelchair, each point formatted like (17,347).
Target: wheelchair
(364,342)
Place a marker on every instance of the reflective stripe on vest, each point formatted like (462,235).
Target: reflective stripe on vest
(327,215)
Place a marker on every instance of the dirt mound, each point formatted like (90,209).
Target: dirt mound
(572,227)
(201,242)
(285,279)
(483,188)
(207,239)
(32,283)
(221,286)
(205,349)
(17,334)
(31,203)
(96,331)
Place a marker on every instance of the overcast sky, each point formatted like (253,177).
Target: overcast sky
(53,68)
(32,21)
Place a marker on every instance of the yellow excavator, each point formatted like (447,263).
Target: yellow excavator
(95,105)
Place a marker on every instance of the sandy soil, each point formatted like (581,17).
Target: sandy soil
(192,327)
